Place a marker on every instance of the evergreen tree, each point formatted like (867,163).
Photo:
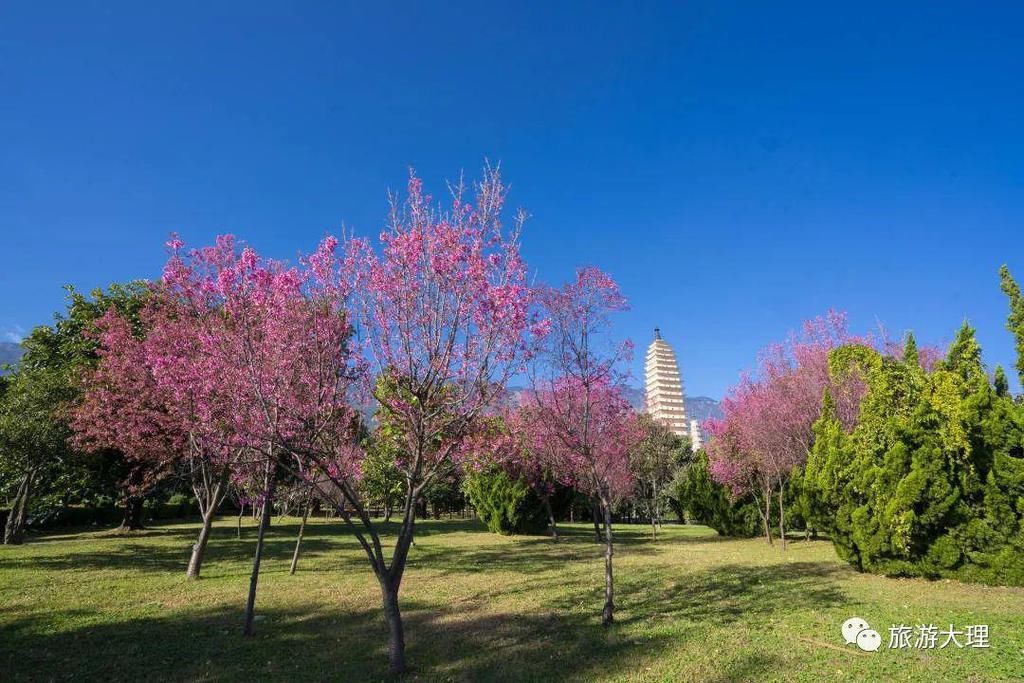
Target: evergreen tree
(824,477)
(504,503)
(1015,321)
(705,501)
(1002,384)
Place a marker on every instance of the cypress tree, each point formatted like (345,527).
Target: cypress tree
(1015,321)
(1002,384)
(910,356)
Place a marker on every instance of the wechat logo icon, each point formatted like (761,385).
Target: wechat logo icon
(857,631)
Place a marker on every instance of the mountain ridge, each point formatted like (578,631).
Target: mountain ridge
(698,408)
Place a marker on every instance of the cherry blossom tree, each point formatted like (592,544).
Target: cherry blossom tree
(265,350)
(445,312)
(123,407)
(767,427)
(273,341)
(143,399)
(444,318)
(578,411)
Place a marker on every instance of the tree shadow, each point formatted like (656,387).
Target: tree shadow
(351,646)
(729,593)
(137,552)
(460,640)
(297,645)
(335,540)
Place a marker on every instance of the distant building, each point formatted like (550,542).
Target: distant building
(663,388)
(695,437)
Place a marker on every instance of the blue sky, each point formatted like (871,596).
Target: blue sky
(737,167)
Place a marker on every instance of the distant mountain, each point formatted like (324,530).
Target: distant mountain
(701,408)
(9,353)
(698,408)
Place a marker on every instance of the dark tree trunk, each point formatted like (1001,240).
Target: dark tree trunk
(653,512)
(298,541)
(782,519)
(608,615)
(387,512)
(396,630)
(133,510)
(764,512)
(14,530)
(250,605)
(551,517)
(597,524)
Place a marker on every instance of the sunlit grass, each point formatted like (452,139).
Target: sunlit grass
(691,607)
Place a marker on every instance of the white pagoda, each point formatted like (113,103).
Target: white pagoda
(663,388)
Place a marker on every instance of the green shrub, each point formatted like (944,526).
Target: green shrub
(504,504)
(706,502)
(930,480)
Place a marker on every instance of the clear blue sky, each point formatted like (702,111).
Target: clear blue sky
(737,167)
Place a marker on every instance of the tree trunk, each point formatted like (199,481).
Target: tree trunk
(213,501)
(551,517)
(387,512)
(764,512)
(657,505)
(597,525)
(132,514)
(241,511)
(782,519)
(250,605)
(298,541)
(608,615)
(14,531)
(653,510)
(396,630)
(195,563)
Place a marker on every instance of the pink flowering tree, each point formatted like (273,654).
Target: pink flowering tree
(767,427)
(189,379)
(271,342)
(124,408)
(577,413)
(443,312)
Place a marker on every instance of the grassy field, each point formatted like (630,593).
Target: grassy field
(691,607)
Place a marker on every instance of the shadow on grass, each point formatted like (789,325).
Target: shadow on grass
(730,593)
(296,645)
(458,641)
(136,550)
(137,555)
(309,643)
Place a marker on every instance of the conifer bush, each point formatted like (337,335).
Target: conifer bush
(505,504)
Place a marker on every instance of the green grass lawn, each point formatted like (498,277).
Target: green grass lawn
(691,607)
